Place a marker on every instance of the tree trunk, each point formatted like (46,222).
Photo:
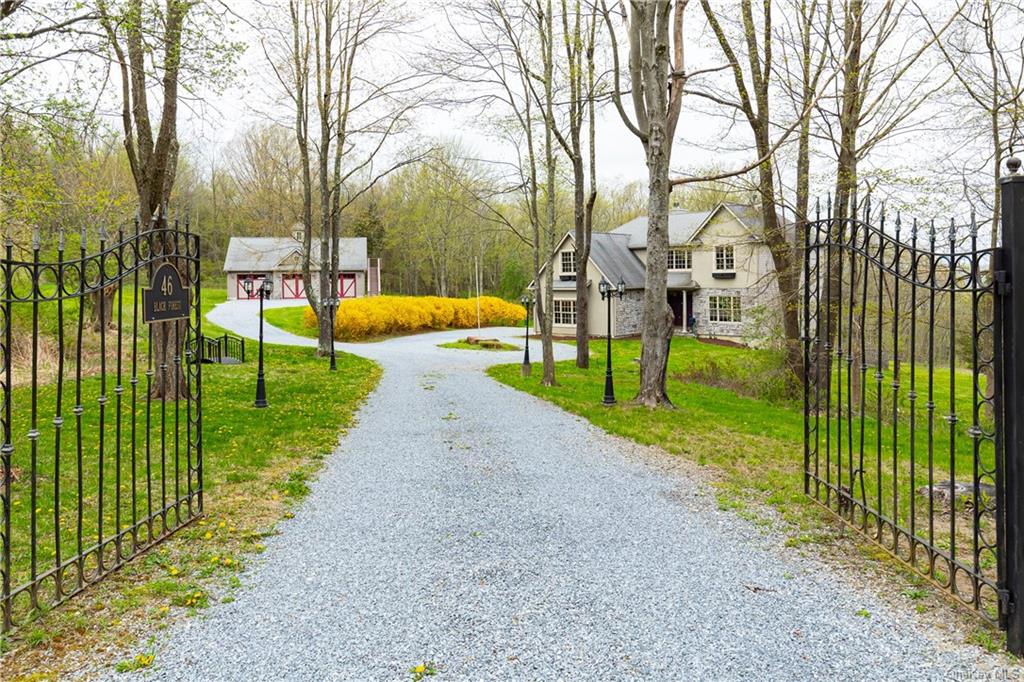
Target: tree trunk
(582,240)
(656,333)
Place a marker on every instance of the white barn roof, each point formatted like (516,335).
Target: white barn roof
(266,254)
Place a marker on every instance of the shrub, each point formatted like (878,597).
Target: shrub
(363,318)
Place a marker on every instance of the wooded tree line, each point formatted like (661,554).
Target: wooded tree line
(803,97)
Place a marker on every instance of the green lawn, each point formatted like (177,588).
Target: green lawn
(734,412)
(254,462)
(463,345)
(290,320)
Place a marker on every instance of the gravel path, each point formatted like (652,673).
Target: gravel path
(468,524)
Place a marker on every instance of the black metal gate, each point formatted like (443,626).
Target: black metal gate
(914,419)
(102,426)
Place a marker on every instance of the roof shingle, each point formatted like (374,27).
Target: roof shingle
(264,254)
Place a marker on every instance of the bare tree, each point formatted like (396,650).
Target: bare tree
(348,107)
(881,93)
(506,52)
(753,101)
(152,156)
(657,76)
(989,68)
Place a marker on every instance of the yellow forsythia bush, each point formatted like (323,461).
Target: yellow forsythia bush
(363,318)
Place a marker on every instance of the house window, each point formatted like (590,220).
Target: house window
(568,262)
(565,311)
(725,258)
(724,309)
(680,259)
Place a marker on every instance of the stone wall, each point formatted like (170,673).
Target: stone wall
(759,310)
(629,313)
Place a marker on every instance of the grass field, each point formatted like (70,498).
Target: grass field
(255,463)
(290,320)
(734,412)
(463,345)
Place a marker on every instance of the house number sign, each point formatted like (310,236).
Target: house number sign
(166,298)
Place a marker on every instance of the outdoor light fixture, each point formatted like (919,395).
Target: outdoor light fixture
(332,312)
(264,290)
(608,290)
(526,301)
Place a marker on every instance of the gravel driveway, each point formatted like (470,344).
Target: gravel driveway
(468,524)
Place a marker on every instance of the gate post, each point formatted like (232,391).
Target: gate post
(1009,391)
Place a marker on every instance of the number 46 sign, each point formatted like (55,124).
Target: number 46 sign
(166,298)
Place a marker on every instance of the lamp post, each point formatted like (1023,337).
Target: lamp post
(526,301)
(264,290)
(332,308)
(607,291)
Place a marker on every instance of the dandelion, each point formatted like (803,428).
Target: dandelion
(173,570)
(208,535)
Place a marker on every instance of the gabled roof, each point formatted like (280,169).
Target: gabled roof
(684,226)
(264,254)
(613,257)
(681,227)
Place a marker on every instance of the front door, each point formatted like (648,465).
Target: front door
(690,317)
(675,301)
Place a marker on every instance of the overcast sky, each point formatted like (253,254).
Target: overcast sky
(620,158)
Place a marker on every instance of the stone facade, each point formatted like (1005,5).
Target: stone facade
(757,303)
(629,313)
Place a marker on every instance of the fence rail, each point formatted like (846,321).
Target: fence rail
(225,349)
(102,424)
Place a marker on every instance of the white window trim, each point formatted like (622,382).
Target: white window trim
(688,257)
(732,257)
(572,258)
(716,310)
(569,310)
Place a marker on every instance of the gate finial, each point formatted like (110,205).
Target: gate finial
(1013,165)
(952,231)
(36,239)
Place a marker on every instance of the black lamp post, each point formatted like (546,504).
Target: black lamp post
(607,291)
(332,311)
(264,290)
(526,301)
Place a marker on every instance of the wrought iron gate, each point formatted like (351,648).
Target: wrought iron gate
(914,419)
(102,424)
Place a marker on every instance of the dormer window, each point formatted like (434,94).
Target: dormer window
(680,259)
(725,258)
(568,262)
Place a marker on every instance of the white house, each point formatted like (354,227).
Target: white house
(721,282)
(281,259)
